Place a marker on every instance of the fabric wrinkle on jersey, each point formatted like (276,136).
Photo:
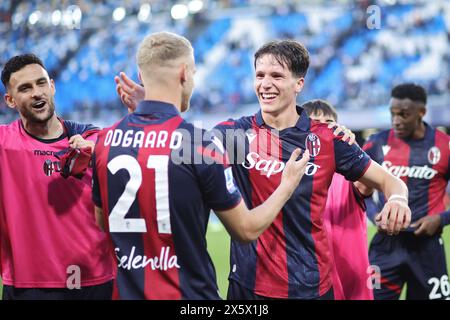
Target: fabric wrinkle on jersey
(192,190)
(345,220)
(48,225)
(291,259)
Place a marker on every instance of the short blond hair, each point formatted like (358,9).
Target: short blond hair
(162,48)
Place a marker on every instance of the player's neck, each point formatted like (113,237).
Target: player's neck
(51,129)
(280,121)
(419,133)
(161,95)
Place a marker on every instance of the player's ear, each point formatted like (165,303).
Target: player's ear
(52,85)
(422,111)
(9,100)
(299,85)
(183,73)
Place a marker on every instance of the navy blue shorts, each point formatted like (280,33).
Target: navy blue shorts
(417,261)
(238,292)
(97,292)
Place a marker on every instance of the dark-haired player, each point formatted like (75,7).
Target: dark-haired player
(51,247)
(419,155)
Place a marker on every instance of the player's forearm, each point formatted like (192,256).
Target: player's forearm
(393,186)
(378,178)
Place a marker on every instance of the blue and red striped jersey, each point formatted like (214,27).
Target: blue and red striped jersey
(156,191)
(291,259)
(423,164)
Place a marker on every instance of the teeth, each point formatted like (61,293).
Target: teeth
(268,95)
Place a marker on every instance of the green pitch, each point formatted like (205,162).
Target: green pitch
(219,245)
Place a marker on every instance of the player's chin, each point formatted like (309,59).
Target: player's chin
(268,107)
(400,133)
(43,115)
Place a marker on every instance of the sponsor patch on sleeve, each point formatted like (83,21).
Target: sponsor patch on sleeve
(231,187)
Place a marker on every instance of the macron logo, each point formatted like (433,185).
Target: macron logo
(386,149)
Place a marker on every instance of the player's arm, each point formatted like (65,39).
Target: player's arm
(366,191)
(99,219)
(129,91)
(246,225)
(395,215)
(431,224)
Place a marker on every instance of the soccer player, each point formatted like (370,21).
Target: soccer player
(155,184)
(418,154)
(51,247)
(291,259)
(345,220)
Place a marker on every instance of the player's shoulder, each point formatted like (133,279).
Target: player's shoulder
(189,127)
(10,126)
(377,139)
(74,128)
(380,136)
(243,122)
(322,131)
(11,129)
(441,135)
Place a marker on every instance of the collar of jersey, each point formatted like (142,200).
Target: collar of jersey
(152,107)
(302,124)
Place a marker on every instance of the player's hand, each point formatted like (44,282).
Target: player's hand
(428,225)
(395,217)
(349,136)
(129,91)
(77,141)
(294,170)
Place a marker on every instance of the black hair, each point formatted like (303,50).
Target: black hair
(410,91)
(317,107)
(290,53)
(18,62)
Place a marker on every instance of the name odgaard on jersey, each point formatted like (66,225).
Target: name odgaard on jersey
(418,172)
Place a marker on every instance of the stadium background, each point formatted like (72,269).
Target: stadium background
(359,50)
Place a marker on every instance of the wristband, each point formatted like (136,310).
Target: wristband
(398,197)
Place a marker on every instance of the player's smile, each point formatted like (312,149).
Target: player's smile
(38,105)
(268,97)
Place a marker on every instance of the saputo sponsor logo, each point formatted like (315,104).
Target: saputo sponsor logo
(270,167)
(418,172)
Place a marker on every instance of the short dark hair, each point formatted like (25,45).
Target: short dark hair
(290,53)
(320,107)
(410,91)
(18,62)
